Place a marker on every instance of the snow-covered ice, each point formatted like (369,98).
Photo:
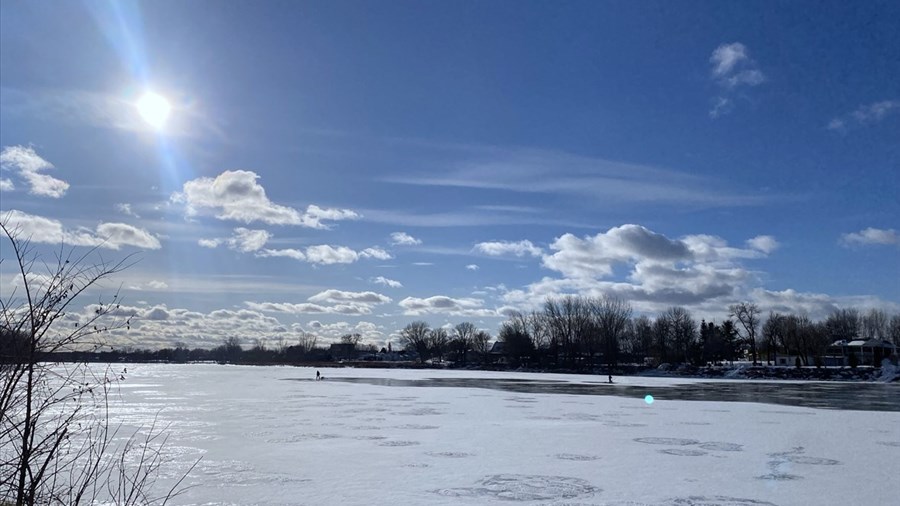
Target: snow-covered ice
(273,435)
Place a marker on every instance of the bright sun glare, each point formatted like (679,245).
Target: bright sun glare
(154,108)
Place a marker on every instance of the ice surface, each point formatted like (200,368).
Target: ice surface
(274,435)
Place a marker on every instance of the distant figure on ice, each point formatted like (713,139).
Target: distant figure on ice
(610,378)
(318,376)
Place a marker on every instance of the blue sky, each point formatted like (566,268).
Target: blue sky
(350,166)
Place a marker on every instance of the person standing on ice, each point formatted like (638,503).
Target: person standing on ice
(318,376)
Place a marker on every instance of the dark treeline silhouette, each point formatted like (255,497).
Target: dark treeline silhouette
(582,333)
(576,333)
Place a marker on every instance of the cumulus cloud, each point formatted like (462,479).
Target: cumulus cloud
(441,304)
(246,240)
(499,248)
(325,254)
(472,267)
(732,69)
(763,243)
(656,271)
(6,185)
(375,252)
(865,115)
(28,164)
(336,296)
(326,302)
(594,256)
(381,280)
(106,235)
(283,253)
(236,195)
(871,236)
(209,243)
(404,239)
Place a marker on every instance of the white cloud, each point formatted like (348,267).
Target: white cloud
(209,243)
(404,239)
(29,165)
(236,195)
(284,253)
(336,296)
(725,57)
(441,304)
(246,240)
(499,248)
(381,280)
(732,68)
(594,256)
(695,270)
(764,243)
(375,252)
(325,254)
(6,185)
(107,235)
(327,302)
(126,209)
(472,267)
(871,236)
(865,115)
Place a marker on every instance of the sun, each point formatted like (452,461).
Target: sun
(154,108)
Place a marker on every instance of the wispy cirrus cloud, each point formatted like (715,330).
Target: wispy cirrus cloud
(607,183)
(864,115)
(28,165)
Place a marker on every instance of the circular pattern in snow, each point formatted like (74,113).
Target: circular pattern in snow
(520,487)
(450,455)
(416,426)
(812,461)
(779,477)
(722,447)
(672,441)
(399,443)
(683,452)
(889,443)
(699,500)
(575,456)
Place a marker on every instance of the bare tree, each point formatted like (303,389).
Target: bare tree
(480,343)
(874,325)
(843,324)
(681,330)
(437,342)
(894,329)
(414,337)
(57,444)
(748,315)
(351,339)
(307,342)
(463,340)
(611,316)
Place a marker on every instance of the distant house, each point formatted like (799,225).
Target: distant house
(866,351)
(342,351)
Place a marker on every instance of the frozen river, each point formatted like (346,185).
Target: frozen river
(273,435)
